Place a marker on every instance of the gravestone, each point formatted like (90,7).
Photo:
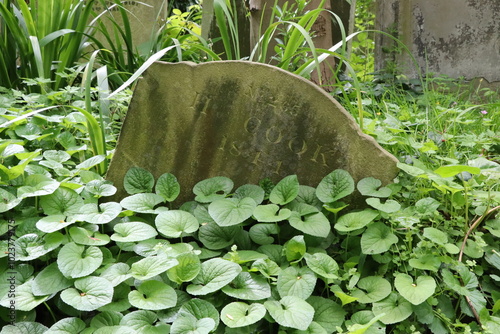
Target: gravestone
(457,38)
(246,121)
(145,17)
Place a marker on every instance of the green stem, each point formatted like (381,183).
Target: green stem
(50,311)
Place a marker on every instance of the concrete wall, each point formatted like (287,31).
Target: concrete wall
(458,38)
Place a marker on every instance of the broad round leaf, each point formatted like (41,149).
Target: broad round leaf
(327,313)
(415,292)
(188,324)
(53,223)
(8,201)
(389,206)
(295,248)
(426,262)
(214,274)
(173,223)
(37,185)
(269,213)
(215,237)
(138,180)
(151,266)
(24,327)
(50,280)
(372,289)
(63,201)
(315,224)
(336,185)
(231,211)
(89,293)
(143,321)
(435,235)
(250,190)
(188,268)
(299,282)
(133,232)
(211,189)
(25,300)
(153,295)
(76,261)
(369,186)
(377,238)
(291,311)
(67,326)
(238,314)
(100,188)
(248,286)
(85,237)
(260,233)
(168,187)
(285,191)
(105,319)
(102,215)
(142,203)
(355,220)
(116,273)
(323,265)
(395,307)
(200,309)
(32,246)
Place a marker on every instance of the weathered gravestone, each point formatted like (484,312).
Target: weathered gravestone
(246,121)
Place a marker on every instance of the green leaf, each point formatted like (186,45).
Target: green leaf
(248,286)
(355,220)
(115,330)
(142,203)
(117,273)
(50,280)
(269,213)
(323,265)
(372,289)
(214,274)
(188,324)
(231,211)
(133,232)
(59,156)
(415,292)
(291,311)
(105,319)
(336,185)
(8,200)
(295,248)
(168,187)
(142,321)
(365,322)
(260,233)
(315,224)
(436,235)
(449,171)
(100,188)
(369,186)
(250,190)
(24,327)
(138,180)
(215,237)
(426,262)
(327,313)
(63,201)
(85,237)
(299,282)
(151,266)
(211,189)
(427,206)
(239,314)
(390,206)
(102,215)
(200,309)
(32,246)
(378,238)
(395,307)
(53,223)
(174,223)
(285,191)
(78,261)
(37,185)
(67,326)
(25,300)
(153,295)
(188,268)
(89,293)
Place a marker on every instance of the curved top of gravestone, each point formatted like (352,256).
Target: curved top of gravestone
(243,120)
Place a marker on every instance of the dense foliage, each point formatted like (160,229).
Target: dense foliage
(420,255)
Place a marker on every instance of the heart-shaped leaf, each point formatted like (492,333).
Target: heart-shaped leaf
(76,261)
(369,186)
(395,309)
(327,313)
(285,191)
(143,321)
(214,274)
(315,224)
(269,213)
(168,187)
(260,233)
(390,206)
(63,201)
(37,185)
(89,293)
(200,309)
(291,311)
(151,266)
(377,238)
(50,280)
(67,326)
(248,286)
(336,185)
(85,237)
(138,180)
(215,237)
(250,190)
(133,232)
(355,220)
(211,189)
(231,211)
(188,268)
(116,273)
(153,295)
(142,203)
(102,215)
(372,289)
(299,282)
(188,324)
(415,292)
(32,246)
(238,314)
(174,223)
(100,188)
(323,265)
